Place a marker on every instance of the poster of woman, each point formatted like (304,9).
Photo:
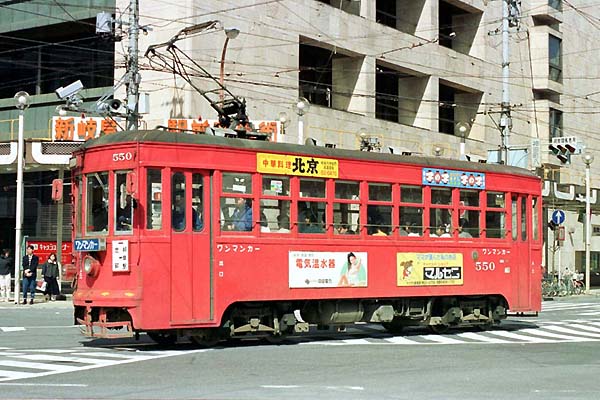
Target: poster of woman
(312,269)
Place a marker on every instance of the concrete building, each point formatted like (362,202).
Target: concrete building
(403,73)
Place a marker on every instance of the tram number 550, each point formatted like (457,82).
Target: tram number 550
(485,266)
(127,156)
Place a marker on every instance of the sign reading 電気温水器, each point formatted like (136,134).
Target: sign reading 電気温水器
(453,178)
(318,269)
(296,165)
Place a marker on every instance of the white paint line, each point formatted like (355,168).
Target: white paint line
(280,386)
(344,388)
(568,306)
(81,360)
(118,356)
(12,328)
(585,327)
(16,374)
(32,365)
(442,339)
(356,341)
(569,331)
(400,340)
(44,384)
(512,335)
(481,338)
(539,332)
(590,313)
(53,351)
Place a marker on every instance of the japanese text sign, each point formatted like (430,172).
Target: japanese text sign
(78,129)
(451,178)
(429,269)
(296,165)
(312,269)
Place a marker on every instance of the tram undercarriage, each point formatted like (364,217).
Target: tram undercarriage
(276,320)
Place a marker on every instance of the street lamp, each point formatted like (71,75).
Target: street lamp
(22,103)
(230,33)
(588,159)
(462,131)
(302,107)
(283,122)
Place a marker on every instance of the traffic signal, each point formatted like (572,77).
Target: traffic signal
(552,225)
(562,151)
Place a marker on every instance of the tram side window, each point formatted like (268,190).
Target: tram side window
(411,215)
(311,214)
(275,210)
(535,218)
(197,200)
(346,212)
(440,219)
(468,221)
(236,208)
(124,205)
(97,202)
(153,199)
(178,202)
(379,216)
(79,191)
(495,215)
(515,220)
(524,211)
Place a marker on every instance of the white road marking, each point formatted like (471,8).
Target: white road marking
(400,340)
(280,386)
(12,328)
(572,331)
(513,335)
(539,332)
(44,384)
(442,339)
(481,338)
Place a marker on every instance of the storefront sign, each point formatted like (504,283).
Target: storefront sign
(308,269)
(429,269)
(451,178)
(43,249)
(77,129)
(296,165)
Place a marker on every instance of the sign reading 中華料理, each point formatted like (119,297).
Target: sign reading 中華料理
(429,269)
(453,178)
(296,165)
(314,269)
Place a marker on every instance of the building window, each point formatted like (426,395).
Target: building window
(446,110)
(316,74)
(556,4)
(386,13)
(386,94)
(556,123)
(555,58)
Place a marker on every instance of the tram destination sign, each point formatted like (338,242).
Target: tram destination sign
(297,165)
(98,244)
(453,178)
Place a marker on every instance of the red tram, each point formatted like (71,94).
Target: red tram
(206,237)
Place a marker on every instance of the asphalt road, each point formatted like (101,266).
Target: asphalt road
(554,356)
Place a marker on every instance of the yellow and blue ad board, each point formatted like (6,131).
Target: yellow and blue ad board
(429,269)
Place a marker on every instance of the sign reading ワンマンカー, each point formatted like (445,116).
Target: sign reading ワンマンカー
(429,269)
(296,165)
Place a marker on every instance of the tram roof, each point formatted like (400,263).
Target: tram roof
(161,136)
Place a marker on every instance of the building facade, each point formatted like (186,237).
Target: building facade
(402,75)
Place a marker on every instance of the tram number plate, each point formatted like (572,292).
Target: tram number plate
(89,244)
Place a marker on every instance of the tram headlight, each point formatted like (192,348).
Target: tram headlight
(90,265)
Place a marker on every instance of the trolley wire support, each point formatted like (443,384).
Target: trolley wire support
(167,57)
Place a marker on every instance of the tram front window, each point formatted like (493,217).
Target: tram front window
(97,202)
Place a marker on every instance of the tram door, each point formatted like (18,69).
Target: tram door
(190,247)
(521,214)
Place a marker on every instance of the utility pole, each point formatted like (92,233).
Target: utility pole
(510,18)
(133,83)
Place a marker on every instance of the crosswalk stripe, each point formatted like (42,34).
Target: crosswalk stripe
(481,338)
(16,374)
(81,360)
(517,336)
(572,331)
(400,340)
(442,339)
(32,365)
(539,332)
(586,327)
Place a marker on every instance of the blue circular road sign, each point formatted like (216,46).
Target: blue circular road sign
(558,217)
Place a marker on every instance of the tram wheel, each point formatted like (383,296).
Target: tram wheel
(163,338)
(439,329)
(393,327)
(207,338)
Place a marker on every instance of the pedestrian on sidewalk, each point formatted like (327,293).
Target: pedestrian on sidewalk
(30,264)
(50,273)
(6,266)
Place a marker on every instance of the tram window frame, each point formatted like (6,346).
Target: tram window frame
(346,208)
(411,199)
(514,209)
(535,218)
(493,211)
(233,187)
(124,205)
(79,193)
(524,212)
(317,194)
(178,201)
(275,204)
(93,209)
(197,202)
(441,211)
(469,213)
(154,199)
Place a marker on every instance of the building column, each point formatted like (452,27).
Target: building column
(427,113)
(354,85)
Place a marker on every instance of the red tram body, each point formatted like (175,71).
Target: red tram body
(205,237)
